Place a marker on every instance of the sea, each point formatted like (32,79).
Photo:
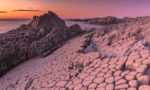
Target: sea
(10,24)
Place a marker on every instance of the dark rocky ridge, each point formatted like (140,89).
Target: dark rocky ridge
(43,34)
(110,20)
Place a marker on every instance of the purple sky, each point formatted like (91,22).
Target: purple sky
(75,8)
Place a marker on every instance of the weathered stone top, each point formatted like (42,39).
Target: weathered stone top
(47,20)
(43,34)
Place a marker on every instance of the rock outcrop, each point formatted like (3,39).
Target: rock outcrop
(109,20)
(120,60)
(105,21)
(43,34)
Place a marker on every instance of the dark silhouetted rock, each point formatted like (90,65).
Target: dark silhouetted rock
(75,29)
(102,21)
(43,34)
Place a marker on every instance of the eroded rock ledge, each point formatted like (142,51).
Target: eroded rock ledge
(42,35)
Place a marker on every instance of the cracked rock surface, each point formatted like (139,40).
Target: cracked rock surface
(120,62)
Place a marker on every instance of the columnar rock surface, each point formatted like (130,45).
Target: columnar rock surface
(120,61)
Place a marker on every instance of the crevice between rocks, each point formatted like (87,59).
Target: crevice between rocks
(29,83)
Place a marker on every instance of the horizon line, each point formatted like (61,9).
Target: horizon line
(73,18)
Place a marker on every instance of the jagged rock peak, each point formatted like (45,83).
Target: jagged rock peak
(43,35)
(49,20)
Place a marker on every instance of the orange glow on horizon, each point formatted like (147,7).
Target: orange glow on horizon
(19,15)
(73,8)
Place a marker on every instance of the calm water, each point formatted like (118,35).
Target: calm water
(7,25)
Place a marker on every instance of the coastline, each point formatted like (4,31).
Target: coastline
(120,59)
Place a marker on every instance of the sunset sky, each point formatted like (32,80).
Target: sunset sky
(74,8)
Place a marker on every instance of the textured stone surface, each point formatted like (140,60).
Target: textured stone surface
(144,87)
(92,86)
(89,78)
(61,83)
(41,36)
(78,86)
(130,77)
(109,80)
(110,87)
(99,80)
(121,81)
(86,83)
(122,86)
(131,88)
(133,83)
(120,60)
(144,79)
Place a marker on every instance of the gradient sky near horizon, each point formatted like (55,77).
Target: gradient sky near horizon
(74,8)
